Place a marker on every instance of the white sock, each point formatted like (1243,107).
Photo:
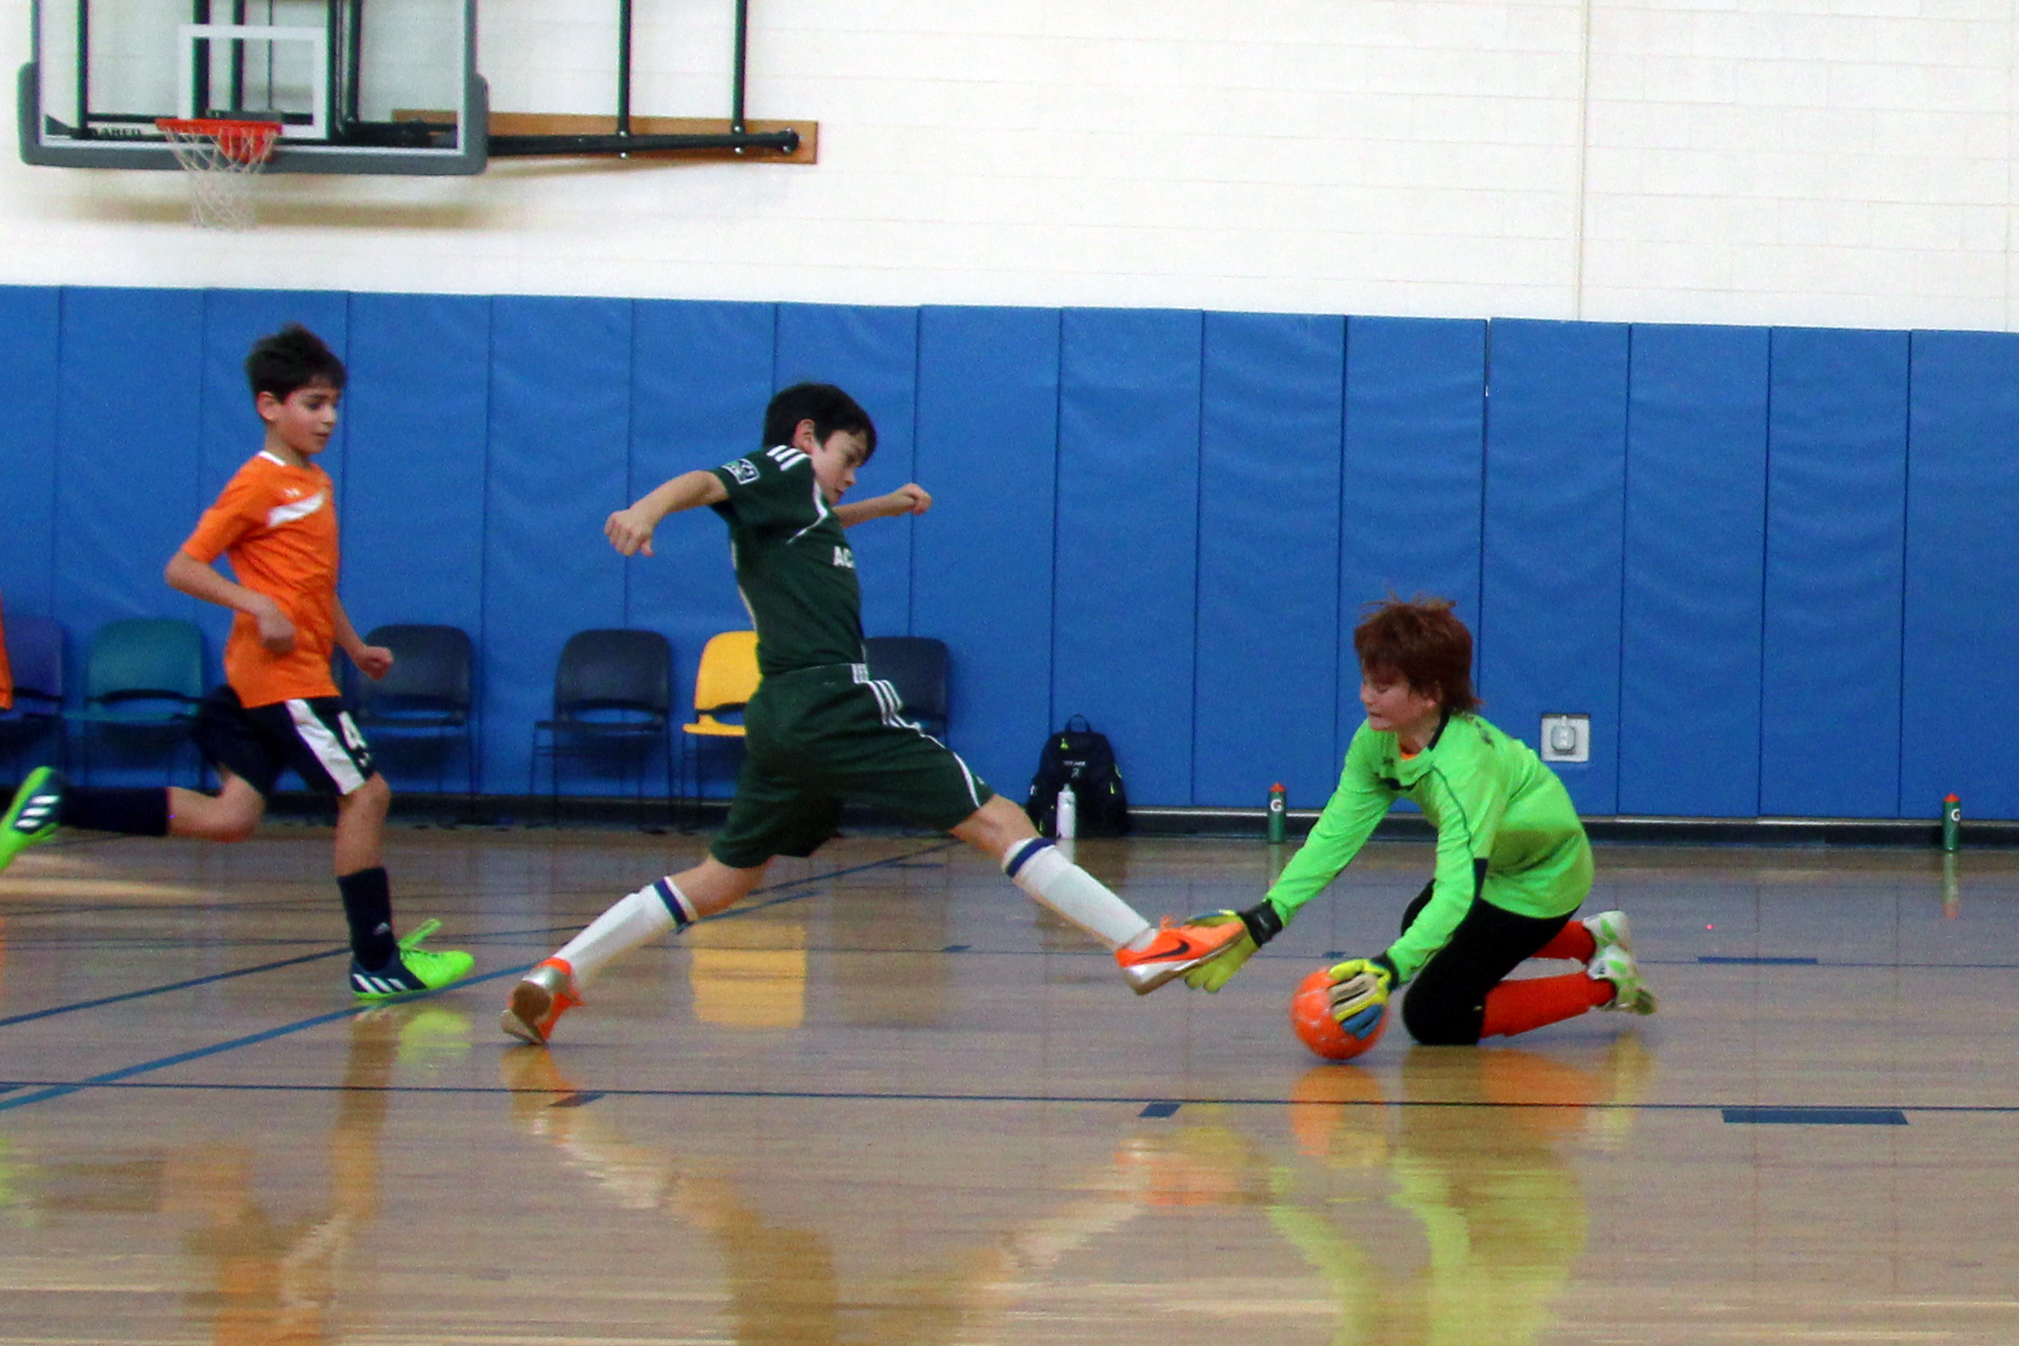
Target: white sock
(1040,869)
(634,920)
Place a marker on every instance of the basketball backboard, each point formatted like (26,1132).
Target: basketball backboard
(341,76)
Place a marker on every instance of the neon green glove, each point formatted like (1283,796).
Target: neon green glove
(1264,923)
(1360,988)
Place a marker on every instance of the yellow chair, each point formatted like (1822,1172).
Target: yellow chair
(723,685)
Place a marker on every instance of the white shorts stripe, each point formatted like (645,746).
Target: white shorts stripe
(335,758)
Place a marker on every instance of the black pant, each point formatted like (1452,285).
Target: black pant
(1446,1003)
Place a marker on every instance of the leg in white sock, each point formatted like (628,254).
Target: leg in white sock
(1042,870)
(638,919)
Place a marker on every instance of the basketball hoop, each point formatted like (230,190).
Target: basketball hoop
(221,156)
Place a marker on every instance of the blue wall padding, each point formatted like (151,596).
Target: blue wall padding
(1268,641)
(1765,562)
(1695,555)
(1962,627)
(873,354)
(701,375)
(988,397)
(560,435)
(128,487)
(1125,590)
(1836,518)
(1410,498)
(30,320)
(1548,632)
(416,455)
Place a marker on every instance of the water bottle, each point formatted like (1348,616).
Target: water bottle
(1279,814)
(1952,823)
(1066,825)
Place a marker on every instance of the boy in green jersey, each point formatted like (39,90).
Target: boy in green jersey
(820,730)
(1513,864)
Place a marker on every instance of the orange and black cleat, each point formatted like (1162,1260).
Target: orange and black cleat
(1176,950)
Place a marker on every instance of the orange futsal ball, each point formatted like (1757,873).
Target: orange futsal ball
(1311,1016)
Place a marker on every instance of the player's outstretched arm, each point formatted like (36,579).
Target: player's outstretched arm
(188,575)
(910,498)
(630,529)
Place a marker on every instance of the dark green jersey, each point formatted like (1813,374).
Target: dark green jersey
(793,563)
(1506,830)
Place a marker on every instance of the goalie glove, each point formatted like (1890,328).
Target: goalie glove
(1360,988)
(1263,924)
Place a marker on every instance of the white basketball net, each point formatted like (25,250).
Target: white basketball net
(221,160)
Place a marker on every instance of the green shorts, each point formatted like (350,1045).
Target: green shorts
(817,738)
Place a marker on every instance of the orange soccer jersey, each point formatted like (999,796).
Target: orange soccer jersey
(277,525)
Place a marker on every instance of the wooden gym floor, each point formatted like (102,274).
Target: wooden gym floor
(891,1102)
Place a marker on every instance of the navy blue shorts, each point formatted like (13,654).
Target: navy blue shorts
(314,738)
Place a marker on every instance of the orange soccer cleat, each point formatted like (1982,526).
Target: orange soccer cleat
(539,1000)
(1176,950)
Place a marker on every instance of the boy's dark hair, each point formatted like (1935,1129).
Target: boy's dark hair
(829,408)
(1423,643)
(291,359)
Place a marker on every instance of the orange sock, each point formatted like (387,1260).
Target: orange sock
(1517,1006)
(1573,941)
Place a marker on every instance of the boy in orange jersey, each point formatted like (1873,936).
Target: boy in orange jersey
(279,708)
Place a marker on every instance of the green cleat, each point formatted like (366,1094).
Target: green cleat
(415,970)
(32,815)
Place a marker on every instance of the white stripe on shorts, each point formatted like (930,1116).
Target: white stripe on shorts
(335,758)
(889,704)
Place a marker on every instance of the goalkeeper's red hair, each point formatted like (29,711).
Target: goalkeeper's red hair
(1422,643)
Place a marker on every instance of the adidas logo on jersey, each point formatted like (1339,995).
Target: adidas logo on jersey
(785,456)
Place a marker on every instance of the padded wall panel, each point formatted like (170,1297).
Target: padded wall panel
(232,429)
(1549,621)
(560,436)
(1410,499)
(418,412)
(1268,614)
(1695,560)
(1962,627)
(1836,516)
(129,486)
(1126,582)
(872,353)
(30,319)
(988,390)
(701,376)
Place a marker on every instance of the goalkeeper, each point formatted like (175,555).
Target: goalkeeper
(1513,864)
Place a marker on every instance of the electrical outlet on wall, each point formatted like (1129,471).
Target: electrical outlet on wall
(1566,738)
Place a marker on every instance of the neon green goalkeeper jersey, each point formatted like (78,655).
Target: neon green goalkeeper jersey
(1506,830)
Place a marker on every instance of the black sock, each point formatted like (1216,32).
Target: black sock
(136,813)
(368,906)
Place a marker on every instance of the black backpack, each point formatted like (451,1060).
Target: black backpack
(1078,758)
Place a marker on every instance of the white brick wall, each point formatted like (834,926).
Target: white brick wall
(1759,161)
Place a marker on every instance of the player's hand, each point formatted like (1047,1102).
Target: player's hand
(912,497)
(630,532)
(374,661)
(1360,988)
(1264,923)
(1211,976)
(276,632)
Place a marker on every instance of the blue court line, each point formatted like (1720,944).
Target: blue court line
(114,1077)
(161,990)
(1160,1110)
(1737,958)
(1815,1116)
(1801,1112)
(43,1095)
